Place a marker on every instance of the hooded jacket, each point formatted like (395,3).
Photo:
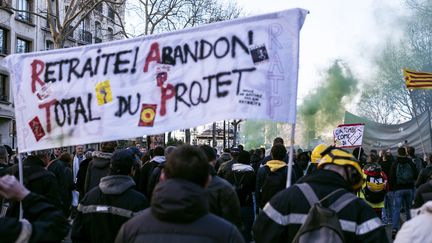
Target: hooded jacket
(105,208)
(178,213)
(277,166)
(282,217)
(98,167)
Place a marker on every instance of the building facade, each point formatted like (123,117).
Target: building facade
(21,31)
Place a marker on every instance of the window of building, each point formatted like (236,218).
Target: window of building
(99,7)
(49,45)
(4,88)
(85,34)
(24,5)
(22,46)
(110,34)
(110,13)
(3,41)
(98,32)
(98,29)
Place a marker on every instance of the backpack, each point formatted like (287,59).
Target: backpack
(376,184)
(238,182)
(274,182)
(375,189)
(404,173)
(322,223)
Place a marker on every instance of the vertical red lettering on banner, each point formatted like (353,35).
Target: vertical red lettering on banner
(47,107)
(153,56)
(168,92)
(37,69)
(37,128)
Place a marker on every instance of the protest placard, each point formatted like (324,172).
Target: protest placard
(348,135)
(240,69)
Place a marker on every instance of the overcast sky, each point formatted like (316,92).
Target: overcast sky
(347,29)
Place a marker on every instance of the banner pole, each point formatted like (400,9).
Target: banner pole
(359,154)
(21,180)
(291,156)
(418,124)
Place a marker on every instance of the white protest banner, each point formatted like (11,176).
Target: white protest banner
(240,69)
(348,135)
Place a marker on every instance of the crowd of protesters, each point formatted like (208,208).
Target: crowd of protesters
(195,194)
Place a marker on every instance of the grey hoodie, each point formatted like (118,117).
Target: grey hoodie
(116,184)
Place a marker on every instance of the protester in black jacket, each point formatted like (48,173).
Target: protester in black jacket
(425,174)
(61,169)
(42,222)
(222,198)
(105,208)
(82,172)
(244,184)
(283,216)
(179,207)
(146,171)
(38,180)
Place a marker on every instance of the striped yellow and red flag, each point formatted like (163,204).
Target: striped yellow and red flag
(417,80)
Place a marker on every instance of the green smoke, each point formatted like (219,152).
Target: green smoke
(255,134)
(324,106)
(252,134)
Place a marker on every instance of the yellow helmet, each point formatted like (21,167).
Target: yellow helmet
(341,157)
(316,153)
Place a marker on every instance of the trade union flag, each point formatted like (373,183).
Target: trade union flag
(417,80)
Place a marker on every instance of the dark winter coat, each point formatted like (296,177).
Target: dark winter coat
(223,201)
(394,185)
(39,180)
(244,183)
(178,213)
(47,222)
(98,167)
(65,183)
(423,194)
(98,225)
(146,172)
(282,217)
(225,170)
(224,157)
(424,176)
(263,171)
(81,176)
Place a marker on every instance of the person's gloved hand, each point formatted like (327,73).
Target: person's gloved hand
(10,188)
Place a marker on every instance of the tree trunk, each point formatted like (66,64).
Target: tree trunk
(187,136)
(214,134)
(224,134)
